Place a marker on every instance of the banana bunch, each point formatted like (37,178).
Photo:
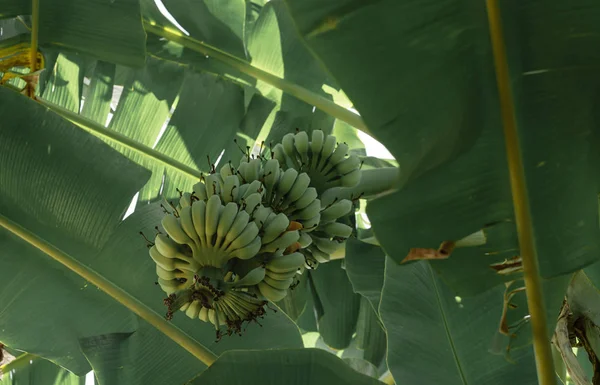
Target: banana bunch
(326,162)
(243,233)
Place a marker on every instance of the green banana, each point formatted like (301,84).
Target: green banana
(199,191)
(305,240)
(194,309)
(286,182)
(173,228)
(326,245)
(347,165)
(308,212)
(351,179)
(187,224)
(225,222)
(328,148)
(161,260)
(247,251)
(311,223)
(281,243)
(281,276)
(253,277)
(336,210)
(285,263)
(248,235)
(199,218)
(298,188)
(316,145)
(166,246)
(336,229)
(239,224)
(307,198)
(275,227)
(203,314)
(213,206)
(214,184)
(270,293)
(302,144)
(277,284)
(231,185)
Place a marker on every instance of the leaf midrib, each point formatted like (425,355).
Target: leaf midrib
(447,328)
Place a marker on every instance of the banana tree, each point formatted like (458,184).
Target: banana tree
(186,197)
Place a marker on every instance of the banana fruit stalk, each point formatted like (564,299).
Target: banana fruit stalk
(239,239)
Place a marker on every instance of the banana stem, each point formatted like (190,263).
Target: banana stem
(179,336)
(35,26)
(18,362)
(243,66)
(533,284)
(101,131)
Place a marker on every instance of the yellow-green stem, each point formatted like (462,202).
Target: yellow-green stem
(18,362)
(533,284)
(179,336)
(35,26)
(99,130)
(243,66)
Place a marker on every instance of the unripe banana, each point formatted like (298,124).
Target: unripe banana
(326,245)
(307,198)
(311,224)
(277,284)
(214,183)
(281,243)
(298,189)
(347,165)
(185,306)
(280,276)
(199,218)
(251,202)
(279,155)
(254,187)
(193,310)
(319,255)
(203,314)
(270,293)
(161,260)
(351,179)
(173,228)
(308,212)
(286,182)
(285,263)
(226,221)
(238,226)
(170,286)
(338,155)
(248,234)
(185,200)
(166,246)
(231,185)
(247,251)
(305,240)
(253,170)
(275,227)
(227,170)
(271,176)
(260,215)
(187,224)
(213,208)
(328,148)
(301,143)
(336,229)
(316,145)
(336,210)
(199,190)
(288,145)
(164,274)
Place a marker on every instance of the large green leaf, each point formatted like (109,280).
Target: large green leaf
(454,168)
(293,367)
(125,261)
(53,183)
(365,265)
(434,339)
(110,31)
(338,313)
